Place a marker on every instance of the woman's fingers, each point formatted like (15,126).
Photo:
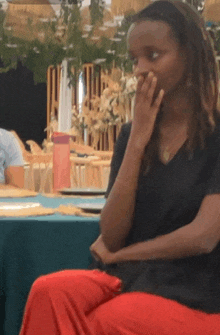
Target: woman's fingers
(146,92)
(151,89)
(158,100)
(140,83)
(146,87)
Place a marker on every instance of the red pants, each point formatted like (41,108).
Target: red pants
(85,302)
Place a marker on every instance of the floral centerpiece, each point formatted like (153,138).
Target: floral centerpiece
(101,114)
(112,108)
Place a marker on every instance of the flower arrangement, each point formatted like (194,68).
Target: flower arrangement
(101,114)
(112,108)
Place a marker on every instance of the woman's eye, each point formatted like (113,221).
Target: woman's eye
(153,55)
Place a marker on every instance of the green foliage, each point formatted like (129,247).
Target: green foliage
(96,11)
(38,56)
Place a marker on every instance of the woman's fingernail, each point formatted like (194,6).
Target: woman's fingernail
(150,74)
(140,78)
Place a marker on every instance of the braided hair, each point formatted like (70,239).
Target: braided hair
(188,28)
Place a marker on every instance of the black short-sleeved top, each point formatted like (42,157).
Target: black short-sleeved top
(169,197)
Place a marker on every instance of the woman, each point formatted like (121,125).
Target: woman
(160,228)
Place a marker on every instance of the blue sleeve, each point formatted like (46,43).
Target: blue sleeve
(13,153)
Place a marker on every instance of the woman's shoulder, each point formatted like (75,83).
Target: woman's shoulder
(126,127)
(124,133)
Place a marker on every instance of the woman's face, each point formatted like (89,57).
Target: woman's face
(152,47)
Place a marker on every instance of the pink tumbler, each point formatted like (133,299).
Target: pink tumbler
(61,161)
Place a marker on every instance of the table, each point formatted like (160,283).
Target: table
(30,247)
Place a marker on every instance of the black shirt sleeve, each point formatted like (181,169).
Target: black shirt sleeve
(118,155)
(213,186)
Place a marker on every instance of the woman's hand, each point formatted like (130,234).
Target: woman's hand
(146,110)
(101,253)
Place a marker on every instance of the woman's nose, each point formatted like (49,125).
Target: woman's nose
(141,68)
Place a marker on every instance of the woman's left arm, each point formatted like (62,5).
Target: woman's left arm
(200,236)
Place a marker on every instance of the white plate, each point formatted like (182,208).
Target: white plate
(94,208)
(18,205)
(83,191)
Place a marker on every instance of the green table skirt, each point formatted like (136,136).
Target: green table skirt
(32,247)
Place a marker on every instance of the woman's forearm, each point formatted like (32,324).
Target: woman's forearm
(117,215)
(183,242)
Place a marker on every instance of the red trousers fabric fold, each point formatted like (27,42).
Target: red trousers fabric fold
(85,302)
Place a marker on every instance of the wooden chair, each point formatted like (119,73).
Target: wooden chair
(103,155)
(81,148)
(81,171)
(40,166)
(47,146)
(100,171)
(35,148)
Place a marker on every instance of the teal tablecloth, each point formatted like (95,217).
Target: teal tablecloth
(30,247)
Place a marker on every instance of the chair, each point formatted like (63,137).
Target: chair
(100,171)
(103,155)
(81,171)
(41,172)
(47,146)
(35,148)
(81,148)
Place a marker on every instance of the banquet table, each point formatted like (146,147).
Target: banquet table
(34,246)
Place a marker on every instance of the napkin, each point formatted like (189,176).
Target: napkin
(72,210)
(59,195)
(34,211)
(16,193)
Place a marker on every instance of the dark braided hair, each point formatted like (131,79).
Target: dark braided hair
(188,28)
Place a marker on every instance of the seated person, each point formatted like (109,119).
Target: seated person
(11,161)
(157,261)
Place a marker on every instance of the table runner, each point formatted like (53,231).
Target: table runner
(17,193)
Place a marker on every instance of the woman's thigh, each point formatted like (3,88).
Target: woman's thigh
(88,288)
(139,313)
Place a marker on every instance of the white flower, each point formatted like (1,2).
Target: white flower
(87,27)
(131,85)
(110,24)
(115,39)
(103,28)
(111,52)
(99,60)
(11,45)
(95,38)
(36,50)
(44,19)
(122,33)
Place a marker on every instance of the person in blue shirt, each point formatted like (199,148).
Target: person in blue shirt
(11,161)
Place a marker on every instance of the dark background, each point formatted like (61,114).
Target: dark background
(23,105)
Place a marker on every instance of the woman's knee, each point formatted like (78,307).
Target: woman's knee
(62,280)
(57,280)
